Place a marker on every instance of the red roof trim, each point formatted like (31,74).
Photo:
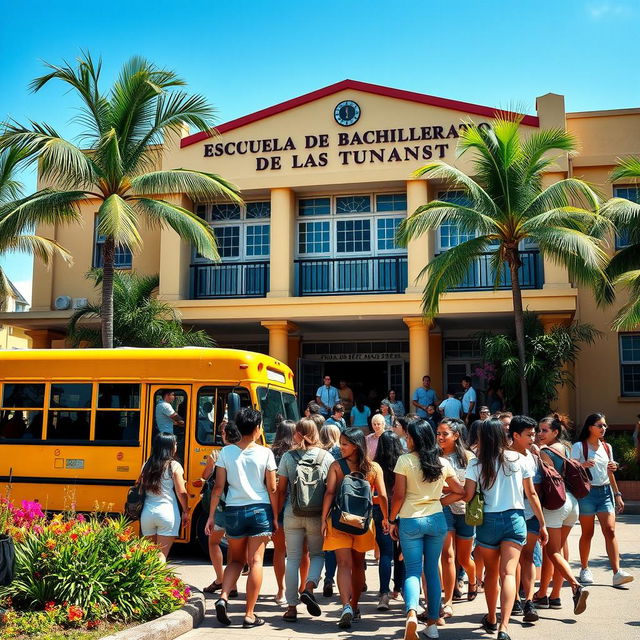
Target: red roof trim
(354,85)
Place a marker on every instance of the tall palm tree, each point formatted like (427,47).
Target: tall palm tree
(20,239)
(117,166)
(506,204)
(140,319)
(624,267)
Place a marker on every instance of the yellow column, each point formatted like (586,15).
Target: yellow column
(420,250)
(42,288)
(41,338)
(279,338)
(565,392)
(282,239)
(418,349)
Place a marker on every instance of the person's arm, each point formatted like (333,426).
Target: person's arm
(281,492)
(455,491)
(397,500)
(383,501)
(181,493)
(218,488)
(472,403)
(415,403)
(536,507)
(271,484)
(469,489)
(329,495)
(208,470)
(617,494)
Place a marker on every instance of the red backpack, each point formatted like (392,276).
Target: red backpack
(575,476)
(552,491)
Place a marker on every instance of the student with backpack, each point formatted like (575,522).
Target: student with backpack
(596,456)
(347,522)
(302,476)
(554,451)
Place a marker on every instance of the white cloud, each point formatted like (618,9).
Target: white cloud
(603,10)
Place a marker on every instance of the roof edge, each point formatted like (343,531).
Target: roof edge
(603,113)
(355,85)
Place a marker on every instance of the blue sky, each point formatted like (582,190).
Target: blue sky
(247,56)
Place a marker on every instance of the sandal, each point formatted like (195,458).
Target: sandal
(472,594)
(290,616)
(221,612)
(447,611)
(213,587)
(257,622)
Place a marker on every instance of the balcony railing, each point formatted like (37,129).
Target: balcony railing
(229,280)
(342,276)
(481,275)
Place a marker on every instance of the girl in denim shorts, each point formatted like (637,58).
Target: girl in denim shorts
(500,475)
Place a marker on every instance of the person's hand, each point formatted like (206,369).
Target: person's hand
(208,527)
(385,526)
(612,466)
(276,526)
(619,504)
(324,528)
(544,535)
(588,464)
(198,483)
(393,531)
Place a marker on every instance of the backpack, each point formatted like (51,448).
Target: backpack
(353,506)
(308,486)
(552,489)
(7,561)
(135,499)
(207,490)
(575,476)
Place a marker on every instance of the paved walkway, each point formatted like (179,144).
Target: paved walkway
(612,613)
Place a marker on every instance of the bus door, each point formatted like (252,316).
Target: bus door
(169,411)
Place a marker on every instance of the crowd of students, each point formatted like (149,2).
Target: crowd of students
(436,503)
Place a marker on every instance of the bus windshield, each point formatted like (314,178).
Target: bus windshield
(274,403)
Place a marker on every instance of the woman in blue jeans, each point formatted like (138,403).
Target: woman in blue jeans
(418,521)
(387,454)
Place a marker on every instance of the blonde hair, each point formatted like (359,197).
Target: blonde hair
(379,417)
(309,431)
(330,436)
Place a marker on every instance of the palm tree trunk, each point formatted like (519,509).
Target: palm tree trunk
(108,258)
(518,315)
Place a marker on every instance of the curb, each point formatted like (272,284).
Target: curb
(168,627)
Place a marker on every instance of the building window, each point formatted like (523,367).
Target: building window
(122,259)
(630,364)
(449,234)
(630,193)
(350,225)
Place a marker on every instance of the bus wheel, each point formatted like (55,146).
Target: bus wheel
(198,536)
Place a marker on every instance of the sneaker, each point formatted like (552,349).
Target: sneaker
(530,613)
(503,635)
(432,631)
(346,617)
(555,603)
(357,616)
(327,590)
(383,603)
(586,577)
(489,627)
(308,599)
(621,577)
(517,608)
(541,602)
(580,600)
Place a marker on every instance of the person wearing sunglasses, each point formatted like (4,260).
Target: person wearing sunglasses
(603,499)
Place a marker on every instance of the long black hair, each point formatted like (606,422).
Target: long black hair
(162,454)
(356,437)
(283,441)
(589,422)
(558,424)
(424,444)
(492,442)
(387,454)
(457,426)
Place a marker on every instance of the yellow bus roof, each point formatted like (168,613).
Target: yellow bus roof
(186,364)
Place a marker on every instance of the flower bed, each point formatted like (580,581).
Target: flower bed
(77,573)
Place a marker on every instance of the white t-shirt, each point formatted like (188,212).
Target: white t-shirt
(531,463)
(164,422)
(599,473)
(246,469)
(167,494)
(506,492)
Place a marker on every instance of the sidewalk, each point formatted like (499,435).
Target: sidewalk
(610,613)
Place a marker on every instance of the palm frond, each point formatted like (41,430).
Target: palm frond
(571,218)
(628,168)
(42,248)
(628,318)
(564,193)
(625,214)
(627,259)
(117,219)
(185,223)
(10,159)
(537,148)
(5,290)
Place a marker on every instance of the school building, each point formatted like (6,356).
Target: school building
(310,271)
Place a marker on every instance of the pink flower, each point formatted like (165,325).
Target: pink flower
(80,518)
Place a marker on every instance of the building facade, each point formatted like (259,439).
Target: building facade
(309,268)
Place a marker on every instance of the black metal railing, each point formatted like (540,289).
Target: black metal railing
(342,276)
(229,280)
(481,275)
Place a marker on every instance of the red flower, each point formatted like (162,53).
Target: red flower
(92,624)
(50,606)
(50,544)
(74,537)
(74,612)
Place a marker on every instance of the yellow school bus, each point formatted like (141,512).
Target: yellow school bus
(76,424)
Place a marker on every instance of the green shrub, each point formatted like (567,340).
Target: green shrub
(624,453)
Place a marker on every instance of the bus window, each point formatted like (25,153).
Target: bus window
(204,420)
(23,395)
(69,411)
(118,412)
(291,411)
(21,412)
(272,411)
(170,415)
(210,421)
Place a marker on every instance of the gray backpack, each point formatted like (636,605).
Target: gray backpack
(308,486)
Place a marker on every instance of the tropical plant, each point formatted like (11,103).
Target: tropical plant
(20,239)
(624,267)
(118,166)
(546,357)
(504,205)
(140,320)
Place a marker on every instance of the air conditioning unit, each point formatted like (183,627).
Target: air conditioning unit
(78,303)
(62,303)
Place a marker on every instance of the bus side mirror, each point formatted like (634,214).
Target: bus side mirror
(233,405)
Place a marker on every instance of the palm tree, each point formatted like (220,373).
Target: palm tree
(505,205)
(140,320)
(118,164)
(18,238)
(624,267)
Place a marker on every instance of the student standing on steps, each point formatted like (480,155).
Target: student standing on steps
(603,501)
(250,470)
